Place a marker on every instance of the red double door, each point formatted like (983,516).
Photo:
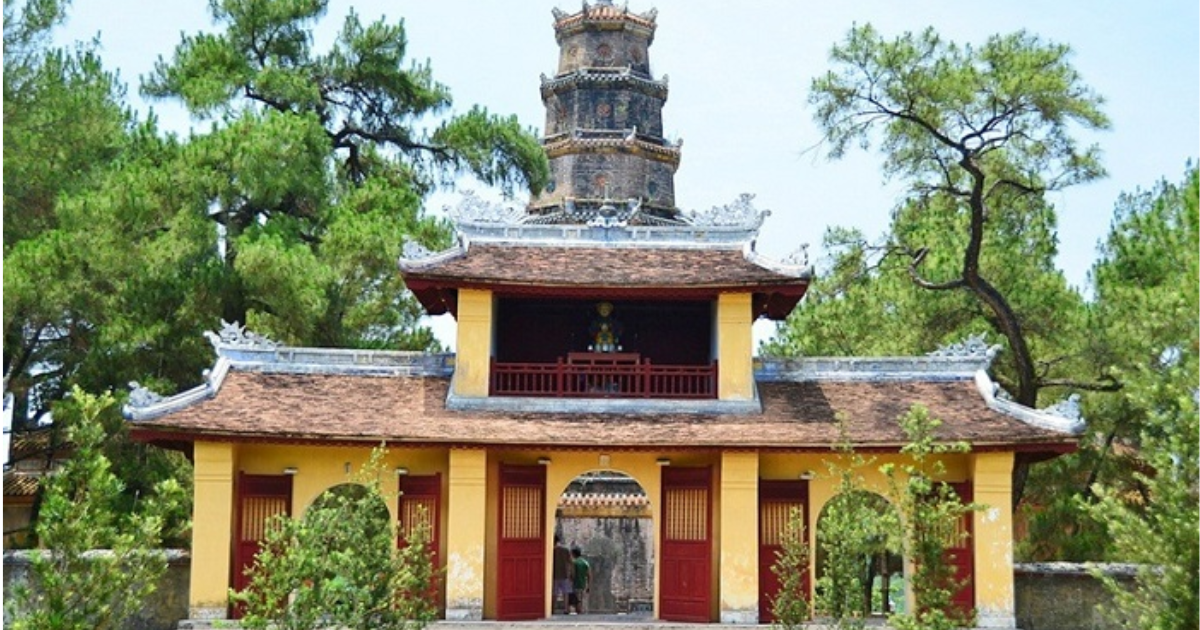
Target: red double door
(259,499)
(777,499)
(685,590)
(686,555)
(960,553)
(522,549)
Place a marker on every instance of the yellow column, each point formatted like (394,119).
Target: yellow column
(465,536)
(735,347)
(474,343)
(739,538)
(991,474)
(212,530)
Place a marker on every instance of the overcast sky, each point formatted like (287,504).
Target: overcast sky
(739,76)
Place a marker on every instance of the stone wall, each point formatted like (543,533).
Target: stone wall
(1065,596)
(620,551)
(163,611)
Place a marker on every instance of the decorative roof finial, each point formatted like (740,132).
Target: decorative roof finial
(972,346)
(234,334)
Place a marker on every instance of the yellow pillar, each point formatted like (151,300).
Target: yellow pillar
(465,535)
(735,347)
(739,538)
(212,530)
(472,362)
(993,545)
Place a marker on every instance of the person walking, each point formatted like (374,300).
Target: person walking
(581,582)
(564,573)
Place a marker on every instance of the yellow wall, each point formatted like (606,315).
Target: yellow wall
(738,517)
(824,485)
(212,530)
(319,468)
(474,343)
(735,347)
(469,512)
(468,500)
(992,474)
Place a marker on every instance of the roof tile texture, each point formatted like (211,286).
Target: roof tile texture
(604,267)
(412,409)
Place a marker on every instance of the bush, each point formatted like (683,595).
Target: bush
(339,565)
(72,585)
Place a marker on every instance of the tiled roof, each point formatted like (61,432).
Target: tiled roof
(592,267)
(411,409)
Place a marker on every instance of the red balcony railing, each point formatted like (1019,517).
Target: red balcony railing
(604,375)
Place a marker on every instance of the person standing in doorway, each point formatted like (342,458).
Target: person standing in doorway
(581,582)
(564,573)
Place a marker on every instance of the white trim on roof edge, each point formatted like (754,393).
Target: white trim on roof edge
(386,363)
(1035,417)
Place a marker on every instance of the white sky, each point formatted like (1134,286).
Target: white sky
(739,77)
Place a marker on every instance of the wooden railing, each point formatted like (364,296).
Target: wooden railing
(604,375)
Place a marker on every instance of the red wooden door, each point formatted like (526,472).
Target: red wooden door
(686,590)
(259,497)
(960,553)
(522,552)
(776,500)
(420,503)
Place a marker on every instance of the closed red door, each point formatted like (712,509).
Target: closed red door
(776,501)
(420,503)
(686,590)
(522,552)
(960,554)
(259,497)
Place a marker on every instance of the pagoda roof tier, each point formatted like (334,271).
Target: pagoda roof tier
(265,392)
(605,16)
(613,78)
(613,272)
(606,140)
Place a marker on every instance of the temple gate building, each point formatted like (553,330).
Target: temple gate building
(600,330)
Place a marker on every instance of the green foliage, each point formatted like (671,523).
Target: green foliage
(789,605)
(854,528)
(930,511)
(1139,325)
(101,562)
(1148,300)
(338,565)
(122,246)
(373,108)
(980,135)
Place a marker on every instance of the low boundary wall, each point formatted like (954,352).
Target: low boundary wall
(1065,595)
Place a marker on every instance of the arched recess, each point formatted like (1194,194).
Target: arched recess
(858,554)
(608,516)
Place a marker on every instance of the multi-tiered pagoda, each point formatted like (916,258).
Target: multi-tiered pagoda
(600,329)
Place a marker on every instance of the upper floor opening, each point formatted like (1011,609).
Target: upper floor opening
(600,348)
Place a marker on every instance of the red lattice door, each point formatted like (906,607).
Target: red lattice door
(776,500)
(960,553)
(259,497)
(686,575)
(420,503)
(522,552)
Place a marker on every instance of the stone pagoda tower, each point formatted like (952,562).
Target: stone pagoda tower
(609,161)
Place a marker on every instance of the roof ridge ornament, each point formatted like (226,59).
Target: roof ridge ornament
(739,213)
(474,209)
(413,250)
(142,396)
(1066,408)
(234,334)
(972,346)
(798,257)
